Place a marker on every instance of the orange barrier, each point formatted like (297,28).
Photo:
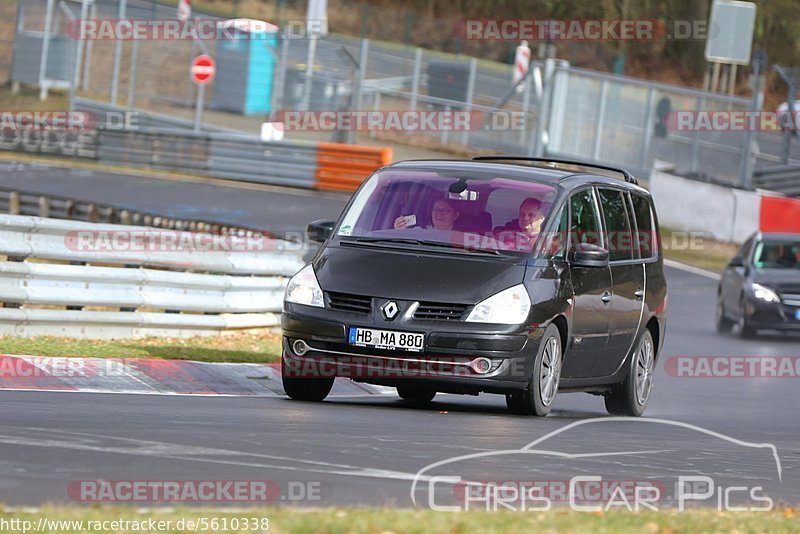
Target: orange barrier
(779,214)
(343,167)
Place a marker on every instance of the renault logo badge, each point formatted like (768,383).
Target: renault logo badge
(390,309)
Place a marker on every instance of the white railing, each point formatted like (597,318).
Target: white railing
(130,281)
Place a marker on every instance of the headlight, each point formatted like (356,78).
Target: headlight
(510,306)
(764,293)
(303,288)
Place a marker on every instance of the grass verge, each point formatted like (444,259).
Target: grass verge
(695,249)
(375,520)
(239,347)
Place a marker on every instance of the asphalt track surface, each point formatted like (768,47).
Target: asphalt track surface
(368,449)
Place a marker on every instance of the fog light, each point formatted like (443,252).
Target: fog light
(300,347)
(481,365)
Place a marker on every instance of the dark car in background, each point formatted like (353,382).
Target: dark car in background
(516,276)
(760,288)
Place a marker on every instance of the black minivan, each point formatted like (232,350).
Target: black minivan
(501,274)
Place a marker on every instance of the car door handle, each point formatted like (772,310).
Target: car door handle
(606,297)
(639,294)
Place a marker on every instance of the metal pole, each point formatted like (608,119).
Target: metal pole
(748,161)
(132,77)
(598,131)
(473,70)
(48,21)
(76,74)
(732,80)
(280,83)
(538,146)
(88,67)
(363,57)
(526,106)
(415,77)
(715,78)
(649,124)
(198,111)
(117,56)
(696,137)
(312,49)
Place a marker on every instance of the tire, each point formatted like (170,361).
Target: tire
(632,395)
(416,394)
(538,396)
(746,331)
(724,324)
(305,389)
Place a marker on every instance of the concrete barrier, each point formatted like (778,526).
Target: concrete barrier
(724,213)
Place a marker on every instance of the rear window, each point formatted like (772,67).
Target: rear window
(475,211)
(644,224)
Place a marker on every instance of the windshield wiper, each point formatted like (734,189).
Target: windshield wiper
(424,242)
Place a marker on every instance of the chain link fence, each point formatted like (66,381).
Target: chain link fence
(565,111)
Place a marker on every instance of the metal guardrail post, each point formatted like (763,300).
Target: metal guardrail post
(13,203)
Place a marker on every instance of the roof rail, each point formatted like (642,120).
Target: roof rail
(628,177)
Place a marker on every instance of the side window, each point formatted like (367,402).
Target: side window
(556,245)
(618,228)
(585,220)
(745,249)
(644,223)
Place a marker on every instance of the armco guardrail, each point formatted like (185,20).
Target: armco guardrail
(330,166)
(15,202)
(783,179)
(343,167)
(128,281)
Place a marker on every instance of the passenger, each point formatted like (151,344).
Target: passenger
(443,217)
(529,221)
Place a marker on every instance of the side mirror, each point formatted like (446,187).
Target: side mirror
(588,255)
(736,261)
(319,231)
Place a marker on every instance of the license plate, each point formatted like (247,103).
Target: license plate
(386,339)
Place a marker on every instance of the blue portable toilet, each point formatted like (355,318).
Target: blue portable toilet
(245,66)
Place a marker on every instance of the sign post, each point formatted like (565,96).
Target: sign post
(202,71)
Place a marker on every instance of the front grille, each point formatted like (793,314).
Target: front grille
(350,303)
(792,299)
(435,311)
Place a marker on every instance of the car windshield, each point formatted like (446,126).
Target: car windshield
(777,254)
(476,212)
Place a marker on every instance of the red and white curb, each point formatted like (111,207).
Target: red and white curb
(158,377)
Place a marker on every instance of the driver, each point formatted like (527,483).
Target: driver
(443,217)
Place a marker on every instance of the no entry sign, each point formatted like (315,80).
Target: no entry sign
(203,69)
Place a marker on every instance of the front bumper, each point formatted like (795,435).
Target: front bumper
(772,316)
(446,363)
